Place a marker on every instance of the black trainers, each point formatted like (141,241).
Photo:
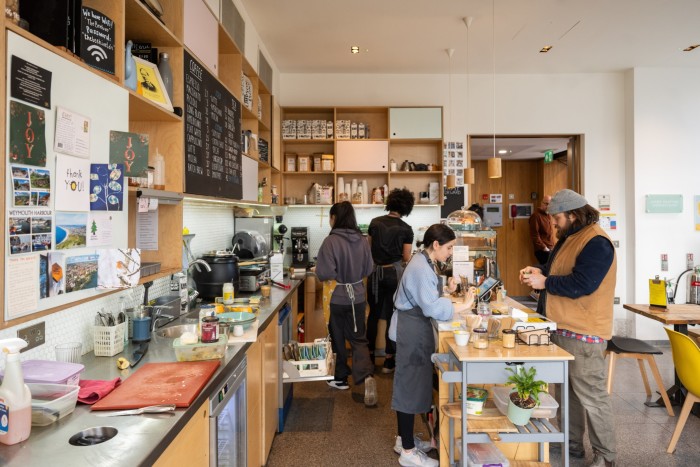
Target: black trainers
(389,365)
(575,451)
(338,384)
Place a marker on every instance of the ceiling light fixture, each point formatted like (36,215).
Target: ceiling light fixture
(354,49)
(494,164)
(691,48)
(545,49)
(469,173)
(503,151)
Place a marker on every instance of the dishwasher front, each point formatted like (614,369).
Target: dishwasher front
(227,425)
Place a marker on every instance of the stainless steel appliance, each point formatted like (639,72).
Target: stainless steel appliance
(300,247)
(228,441)
(251,245)
(252,277)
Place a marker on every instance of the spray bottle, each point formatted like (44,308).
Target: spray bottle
(15,398)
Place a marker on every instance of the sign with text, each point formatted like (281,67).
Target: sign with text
(665,204)
(97,40)
(213,164)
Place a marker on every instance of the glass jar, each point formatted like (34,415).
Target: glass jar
(480,338)
(484,310)
(508,338)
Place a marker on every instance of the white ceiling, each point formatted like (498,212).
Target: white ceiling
(411,36)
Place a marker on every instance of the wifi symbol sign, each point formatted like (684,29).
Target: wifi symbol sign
(97,52)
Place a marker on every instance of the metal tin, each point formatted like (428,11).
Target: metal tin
(210,329)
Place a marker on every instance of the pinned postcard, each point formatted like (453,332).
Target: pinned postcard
(27,135)
(81,272)
(70,230)
(72,183)
(130,149)
(106,187)
(72,133)
(22,286)
(119,268)
(99,229)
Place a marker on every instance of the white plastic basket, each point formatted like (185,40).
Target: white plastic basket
(307,368)
(109,340)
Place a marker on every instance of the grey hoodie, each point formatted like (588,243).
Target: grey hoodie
(345,256)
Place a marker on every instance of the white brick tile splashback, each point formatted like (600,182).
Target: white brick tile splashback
(212,225)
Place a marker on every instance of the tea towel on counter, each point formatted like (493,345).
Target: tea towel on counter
(92,390)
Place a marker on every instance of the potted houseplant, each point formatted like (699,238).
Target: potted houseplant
(525,395)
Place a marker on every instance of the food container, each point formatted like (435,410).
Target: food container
(485,454)
(475,400)
(547,409)
(480,338)
(51,402)
(200,351)
(48,371)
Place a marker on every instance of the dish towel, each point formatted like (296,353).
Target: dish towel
(92,390)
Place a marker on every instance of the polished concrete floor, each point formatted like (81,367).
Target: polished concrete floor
(329,427)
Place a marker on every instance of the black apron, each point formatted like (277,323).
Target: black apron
(413,379)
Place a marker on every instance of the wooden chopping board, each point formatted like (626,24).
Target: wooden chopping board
(176,383)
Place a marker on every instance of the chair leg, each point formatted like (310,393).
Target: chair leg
(660,384)
(645,380)
(682,418)
(611,368)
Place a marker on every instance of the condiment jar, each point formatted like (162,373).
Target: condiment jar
(228,293)
(210,329)
(480,338)
(508,338)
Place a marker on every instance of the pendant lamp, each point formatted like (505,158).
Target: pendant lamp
(469,174)
(494,167)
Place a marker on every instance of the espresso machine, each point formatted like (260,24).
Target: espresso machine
(300,247)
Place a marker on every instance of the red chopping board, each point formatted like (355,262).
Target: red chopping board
(160,383)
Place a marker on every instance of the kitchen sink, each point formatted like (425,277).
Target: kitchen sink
(172,332)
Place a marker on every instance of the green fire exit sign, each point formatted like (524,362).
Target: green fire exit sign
(548,156)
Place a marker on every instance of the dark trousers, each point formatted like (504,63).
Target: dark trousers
(342,327)
(542,256)
(381,306)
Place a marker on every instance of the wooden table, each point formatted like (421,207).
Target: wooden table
(467,365)
(680,316)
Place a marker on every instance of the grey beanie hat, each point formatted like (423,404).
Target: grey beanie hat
(566,200)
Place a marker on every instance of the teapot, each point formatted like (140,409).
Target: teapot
(408,166)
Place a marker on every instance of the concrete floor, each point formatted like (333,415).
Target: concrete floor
(329,427)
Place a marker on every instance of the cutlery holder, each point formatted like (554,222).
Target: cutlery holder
(109,340)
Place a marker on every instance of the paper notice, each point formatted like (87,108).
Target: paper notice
(147,230)
(23,285)
(72,133)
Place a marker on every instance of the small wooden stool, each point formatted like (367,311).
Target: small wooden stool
(627,347)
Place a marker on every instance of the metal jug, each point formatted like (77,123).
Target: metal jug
(408,166)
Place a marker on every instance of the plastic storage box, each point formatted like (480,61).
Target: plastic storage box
(48,371)
(475,400)
(51,402)
(547,409)
(200,351)
(485,454)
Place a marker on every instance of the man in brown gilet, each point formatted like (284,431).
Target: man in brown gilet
(578,287)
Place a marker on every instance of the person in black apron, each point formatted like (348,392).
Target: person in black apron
(418,299)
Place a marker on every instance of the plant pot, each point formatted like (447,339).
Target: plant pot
(518,415)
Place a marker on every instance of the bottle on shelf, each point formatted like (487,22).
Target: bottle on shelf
(129,67)
(166,73)
(159,172)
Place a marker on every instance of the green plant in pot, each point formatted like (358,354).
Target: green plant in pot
(525,395)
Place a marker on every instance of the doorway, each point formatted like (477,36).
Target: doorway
(526,179)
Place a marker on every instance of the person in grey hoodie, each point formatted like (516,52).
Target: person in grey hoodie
(345,257)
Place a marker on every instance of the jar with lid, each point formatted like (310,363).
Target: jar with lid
(480,338)
(508,338)
(210,329)
(148,177)
(228,293)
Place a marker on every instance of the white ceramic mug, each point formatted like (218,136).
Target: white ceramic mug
(461,338)
(238,330)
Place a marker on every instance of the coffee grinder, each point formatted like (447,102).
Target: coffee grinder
(279,257)
(300,247)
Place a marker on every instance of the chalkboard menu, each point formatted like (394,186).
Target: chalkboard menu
(213,165)
(454,200)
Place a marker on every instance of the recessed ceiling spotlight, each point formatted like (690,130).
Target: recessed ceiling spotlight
(503,151)
(545,49)
(354,49)
(691,48)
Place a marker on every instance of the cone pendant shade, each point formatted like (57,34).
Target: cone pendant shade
(494,167)
(469,176)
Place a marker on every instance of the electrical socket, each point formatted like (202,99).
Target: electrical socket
(664,262)
(34,335)
(616,300)
(616,243)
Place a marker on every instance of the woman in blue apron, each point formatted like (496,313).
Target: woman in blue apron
(418,299)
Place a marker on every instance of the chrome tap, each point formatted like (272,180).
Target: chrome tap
(157,315)
(196,263)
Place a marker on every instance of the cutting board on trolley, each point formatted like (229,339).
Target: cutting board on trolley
(176,383)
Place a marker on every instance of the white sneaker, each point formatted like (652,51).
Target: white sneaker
(416,458)
(425,446)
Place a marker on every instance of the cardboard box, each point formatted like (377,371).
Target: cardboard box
(303,163)
(318,129)
(361,131)
(291,162)
(304,129)
(353,130)
(329,129)
(327,163)
(289,129)
(342,129)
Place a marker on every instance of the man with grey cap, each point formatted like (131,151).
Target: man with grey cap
(578,287)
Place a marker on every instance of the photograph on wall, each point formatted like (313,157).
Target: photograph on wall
(72,133)
(99,231)
(31,187)
(149,83)
(41,224)
(56,274)
(106,187)
(70,230)
(20,244)
(81,272)
(27,136)
(41,242)
(43,275)
(129,149)
(19,225)
(119,268)
(72,183)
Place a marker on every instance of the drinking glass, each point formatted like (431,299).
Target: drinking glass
(69,352)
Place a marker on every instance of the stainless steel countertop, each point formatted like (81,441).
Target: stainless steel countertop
(141,438)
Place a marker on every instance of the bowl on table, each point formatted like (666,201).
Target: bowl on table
(242,318)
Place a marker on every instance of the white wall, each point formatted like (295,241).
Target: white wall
(590,104)
(666,138)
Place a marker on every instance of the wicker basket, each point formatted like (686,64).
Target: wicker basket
(109,340)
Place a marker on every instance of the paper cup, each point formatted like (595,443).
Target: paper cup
(461,338)
(238,330)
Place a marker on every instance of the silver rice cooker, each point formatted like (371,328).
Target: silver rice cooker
(249,244)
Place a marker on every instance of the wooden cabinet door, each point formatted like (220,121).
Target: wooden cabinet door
(270,365)
(254,386)
(362,156)
(415,123)
(191,446)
